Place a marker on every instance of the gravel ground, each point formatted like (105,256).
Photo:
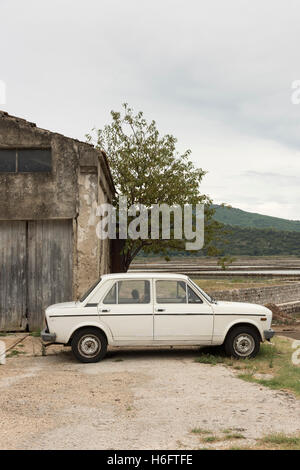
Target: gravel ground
(134,399)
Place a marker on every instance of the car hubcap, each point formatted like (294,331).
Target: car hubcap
(244,345)
(89,346)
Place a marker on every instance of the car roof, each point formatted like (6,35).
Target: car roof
(143,274)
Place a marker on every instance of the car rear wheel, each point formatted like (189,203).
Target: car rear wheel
(89,345)
(242,342)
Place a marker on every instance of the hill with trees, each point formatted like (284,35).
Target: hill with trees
(251,234)
(259,242)
(240,218)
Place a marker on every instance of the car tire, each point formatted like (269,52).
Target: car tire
(89,345)
(242,342)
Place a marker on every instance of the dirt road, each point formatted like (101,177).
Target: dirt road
(133,400)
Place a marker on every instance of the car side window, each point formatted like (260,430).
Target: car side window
(128,292)
(193,298)
(111,296)
(170,292)
(134,292)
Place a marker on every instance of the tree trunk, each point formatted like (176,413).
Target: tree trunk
(118,260)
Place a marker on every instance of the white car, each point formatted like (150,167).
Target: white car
(143,309)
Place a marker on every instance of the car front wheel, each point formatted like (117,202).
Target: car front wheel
(89,345)
(242,342)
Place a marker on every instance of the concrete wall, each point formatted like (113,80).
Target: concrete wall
(35,196)
(262,295)
(93,256)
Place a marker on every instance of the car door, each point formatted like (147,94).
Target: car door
(127,309)
(180,313)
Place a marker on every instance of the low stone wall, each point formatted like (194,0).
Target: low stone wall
(290,307)
(262,295)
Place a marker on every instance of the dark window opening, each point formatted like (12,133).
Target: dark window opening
(25,160)
(8,161)
(34,160)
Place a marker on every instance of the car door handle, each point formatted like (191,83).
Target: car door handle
(105,310)
(160,309)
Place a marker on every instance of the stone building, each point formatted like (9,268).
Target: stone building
(50,186)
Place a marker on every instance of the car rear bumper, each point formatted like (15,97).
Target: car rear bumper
(268,334)
(48,337)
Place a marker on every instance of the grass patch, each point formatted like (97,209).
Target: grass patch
(14,352)
(209,439)
(212,359)
(240,448)
(274,359)
(275,441)
(278,361)
(200,431)
(35,334)
(280,441)
(230,437)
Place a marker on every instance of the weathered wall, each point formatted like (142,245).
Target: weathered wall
(35,196)
(262,295)
(93,256)
(87,243)
(105,195)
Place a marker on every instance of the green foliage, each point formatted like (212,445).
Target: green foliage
(147,169)
(225,261)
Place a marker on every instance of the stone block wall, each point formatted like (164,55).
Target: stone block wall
(261,295)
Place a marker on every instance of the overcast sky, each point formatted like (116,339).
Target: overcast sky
(216,74)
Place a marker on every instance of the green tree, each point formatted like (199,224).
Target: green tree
(147,169)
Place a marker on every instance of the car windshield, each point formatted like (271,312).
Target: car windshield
(87,293)
(205,295)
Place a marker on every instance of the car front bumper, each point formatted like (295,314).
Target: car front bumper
(48,337)
(268,334)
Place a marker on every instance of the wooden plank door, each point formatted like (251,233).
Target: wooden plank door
(12,275)
(49,267)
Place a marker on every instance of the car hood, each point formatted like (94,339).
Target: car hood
(240,308)
(61,306)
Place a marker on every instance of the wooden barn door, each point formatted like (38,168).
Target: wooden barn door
(49,267)
(12,275)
